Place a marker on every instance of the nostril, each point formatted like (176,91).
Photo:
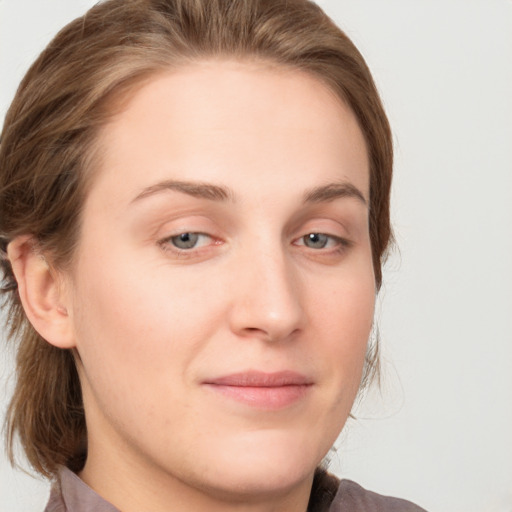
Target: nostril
(272,334)
(256,331)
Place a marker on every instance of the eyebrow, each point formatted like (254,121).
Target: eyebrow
(321,194)
(191,188)
(333,191)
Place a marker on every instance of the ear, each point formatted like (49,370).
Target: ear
(41,292)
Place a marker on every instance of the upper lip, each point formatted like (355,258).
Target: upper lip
(254,378)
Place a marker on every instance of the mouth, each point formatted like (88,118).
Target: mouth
(270,391)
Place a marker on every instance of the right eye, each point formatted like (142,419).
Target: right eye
(316,240)
(321,241)
(188,240)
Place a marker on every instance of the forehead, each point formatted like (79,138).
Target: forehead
(243,122)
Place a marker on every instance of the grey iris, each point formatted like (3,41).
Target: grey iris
(316,240)
(185,240)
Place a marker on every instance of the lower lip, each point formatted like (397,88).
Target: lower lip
(270,398)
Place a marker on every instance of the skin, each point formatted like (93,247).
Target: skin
(154,324)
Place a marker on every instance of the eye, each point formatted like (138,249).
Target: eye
(185,241)
(319,241)
(315,240)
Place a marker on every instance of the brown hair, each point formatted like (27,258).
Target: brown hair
(47,152)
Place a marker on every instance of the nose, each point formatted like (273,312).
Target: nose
(268,297)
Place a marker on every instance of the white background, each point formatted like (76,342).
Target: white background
(439,432)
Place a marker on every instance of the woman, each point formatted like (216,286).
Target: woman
(194,212)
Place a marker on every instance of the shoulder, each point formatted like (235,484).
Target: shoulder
(351,497)
(71,494)
(55,503)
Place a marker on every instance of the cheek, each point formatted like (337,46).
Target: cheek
(130,337)
(136,320)
(345,316)
(346,303)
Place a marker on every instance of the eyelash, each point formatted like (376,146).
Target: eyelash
(168,246)
(339,244)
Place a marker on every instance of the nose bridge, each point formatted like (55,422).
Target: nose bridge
(268,301)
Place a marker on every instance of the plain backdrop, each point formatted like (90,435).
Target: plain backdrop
(439,430)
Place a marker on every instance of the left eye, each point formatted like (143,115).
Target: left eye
(185,241)
(318,241)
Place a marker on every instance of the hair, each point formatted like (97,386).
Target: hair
(48,151)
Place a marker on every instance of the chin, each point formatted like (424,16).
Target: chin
(271,463)
(232,484)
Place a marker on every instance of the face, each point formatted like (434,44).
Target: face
(223,289)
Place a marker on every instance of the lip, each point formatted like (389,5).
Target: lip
(262,390)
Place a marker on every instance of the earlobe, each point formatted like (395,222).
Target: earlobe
(41,292)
